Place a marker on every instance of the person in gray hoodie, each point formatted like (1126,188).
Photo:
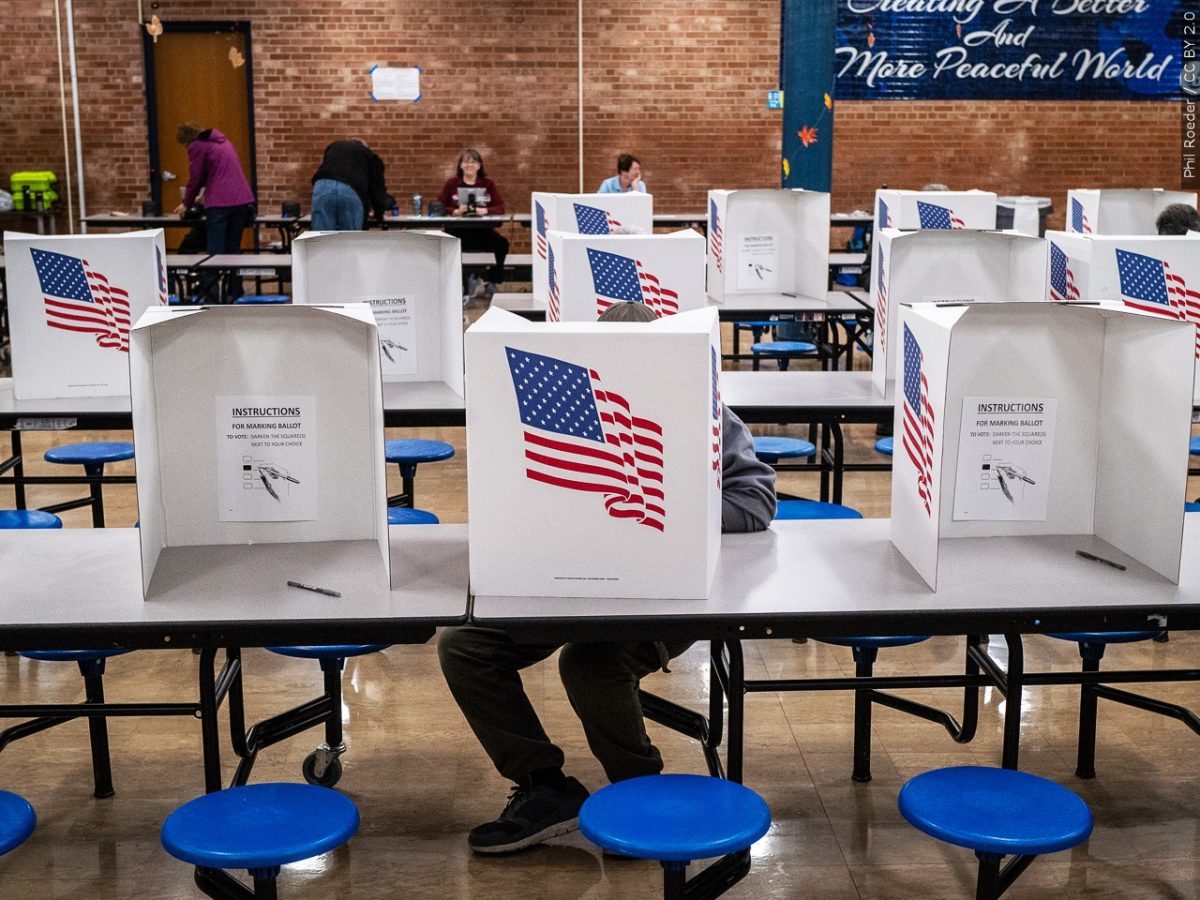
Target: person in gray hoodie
(482,668)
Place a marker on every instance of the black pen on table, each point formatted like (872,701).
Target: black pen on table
(316,590)
(1100,559)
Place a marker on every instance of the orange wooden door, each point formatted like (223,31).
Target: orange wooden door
(200,76)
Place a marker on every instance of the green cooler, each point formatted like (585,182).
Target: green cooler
(36,188)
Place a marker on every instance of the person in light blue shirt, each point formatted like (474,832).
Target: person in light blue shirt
(628,177)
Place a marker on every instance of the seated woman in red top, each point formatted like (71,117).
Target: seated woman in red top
(470,174)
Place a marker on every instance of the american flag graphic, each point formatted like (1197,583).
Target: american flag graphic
(933,216)
(539,214)
(1062,279)
(1149,284)
(884,218)
(881,302)
(620,278)
(555,304)
(715,243)
(1079,221)
(918,419)
(80,299)
(162,278)
(580,437)
(716,415)
(594,220)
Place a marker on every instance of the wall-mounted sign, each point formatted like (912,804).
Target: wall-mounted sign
(396,84)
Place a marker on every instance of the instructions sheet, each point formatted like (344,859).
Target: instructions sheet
(266,458)
(758,263)
(396,319)
(1005,448)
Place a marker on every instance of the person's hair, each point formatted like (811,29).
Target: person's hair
(935,186)
(188,132)
(625,162)
(1178,218)
(627,311)
(470,153)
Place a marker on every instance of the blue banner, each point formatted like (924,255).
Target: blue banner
(1011,49)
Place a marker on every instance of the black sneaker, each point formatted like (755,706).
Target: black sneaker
(533,814)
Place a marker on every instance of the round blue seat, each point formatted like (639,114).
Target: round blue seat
(408,453)
(333,651)
(403,515)
(91,455)
(772,449)
(1194,445)
(28,518)
(674,818)
(1191,506)
(259,827)
(72,655)
(17,821)
(877,641)
(995,811)
(813,509)
(884,446)
(782,351)
(1105,637)
(263,298)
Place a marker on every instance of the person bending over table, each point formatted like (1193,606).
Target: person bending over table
(349,181)
(470,173)
(213,165)
(482,668)
(628,177)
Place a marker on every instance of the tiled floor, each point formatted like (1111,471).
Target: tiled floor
(421,781)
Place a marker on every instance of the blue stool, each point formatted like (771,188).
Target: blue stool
(93,456)
(1194,445)
(322,766)
(676,819)
(17,821)
(28,518)
(91,667)
(772,450)
(783,352)
(263,298)
(996,813)
(403,515)
(813,509)
(884,446)
(757,327)
(408,453)
(1091,650)
(259,828)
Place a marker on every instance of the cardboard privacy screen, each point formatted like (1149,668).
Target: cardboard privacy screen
(767,242)
(412,280)
(259,428)
(1125,211)
(936,210)
(596,214)
(1017,419)
(589,273)
(1153,274)
(946,266)
(595,460)
(71,299)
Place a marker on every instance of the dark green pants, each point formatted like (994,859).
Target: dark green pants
(483,669)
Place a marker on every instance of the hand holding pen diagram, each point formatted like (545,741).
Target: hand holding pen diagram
(1006,473)
(387,346)
(268,473)
(758,269)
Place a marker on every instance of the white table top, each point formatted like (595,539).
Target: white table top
(781,390)
(91,578)
(833,575)
(185,260)
(248,260)
(833,302)
(415,396)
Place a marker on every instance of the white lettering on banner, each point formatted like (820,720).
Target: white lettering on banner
(999,35)
(1113,65)
(1099,7)
(954,61)
(878,65)
(969,8)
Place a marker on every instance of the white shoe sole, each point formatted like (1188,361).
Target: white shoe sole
(556,830)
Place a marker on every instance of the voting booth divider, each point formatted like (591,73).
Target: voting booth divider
(71,301)
(592,272)
(595,463)
(1120,211)
(412,282)
(765,243)
(1031,419)
(935,210)
(1151,273)
(946,266)
(630,213)
(260,447)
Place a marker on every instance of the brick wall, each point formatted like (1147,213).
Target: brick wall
(681,83)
